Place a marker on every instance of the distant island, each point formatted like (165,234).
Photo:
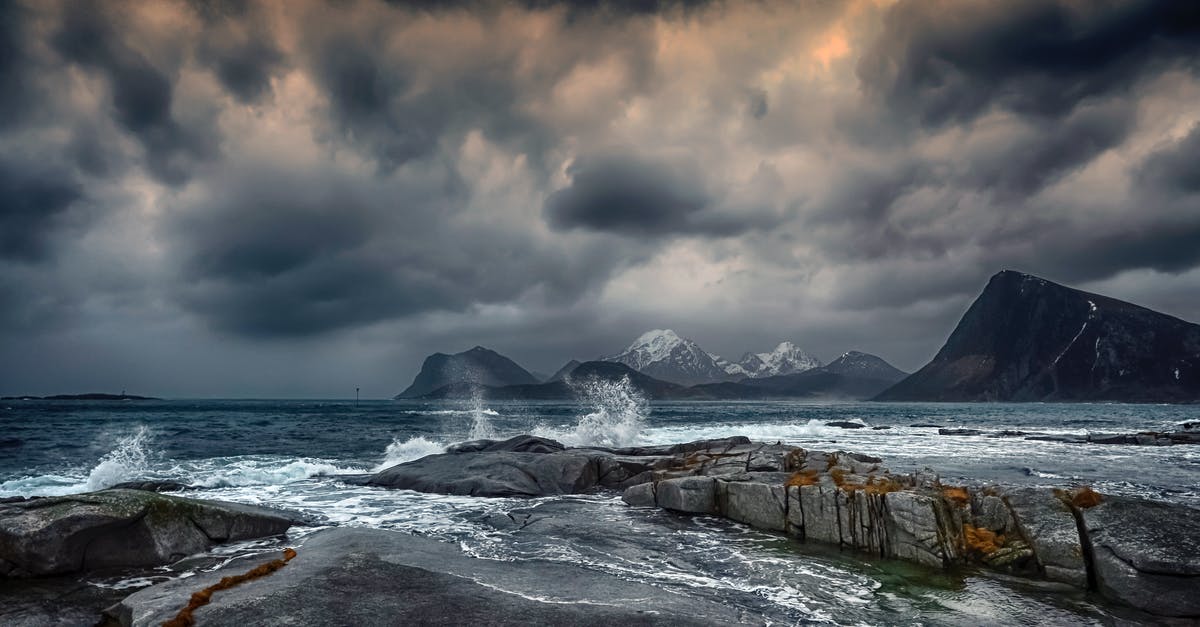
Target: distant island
(1024,339)
(91,396)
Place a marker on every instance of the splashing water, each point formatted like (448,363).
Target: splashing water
(481,422)
(128,461)
(618,411)
(413,448)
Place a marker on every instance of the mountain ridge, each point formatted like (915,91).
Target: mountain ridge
(665,354)
(1025,338)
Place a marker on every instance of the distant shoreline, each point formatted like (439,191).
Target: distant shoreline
(93,396)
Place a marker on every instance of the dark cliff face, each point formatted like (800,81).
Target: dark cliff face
(478,366)
(1027,339)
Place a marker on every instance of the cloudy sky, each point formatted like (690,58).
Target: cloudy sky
(294,199)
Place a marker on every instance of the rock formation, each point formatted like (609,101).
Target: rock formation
(1027,339)
(1141,553)
(122,528)
(476,367)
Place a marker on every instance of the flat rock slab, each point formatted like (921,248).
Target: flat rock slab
(123,528)
(375,577)
(1147,554)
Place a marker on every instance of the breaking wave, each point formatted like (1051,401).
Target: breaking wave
(128,461)
(618,411)
(417,447)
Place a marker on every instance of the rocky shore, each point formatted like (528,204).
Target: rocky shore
(1138,553)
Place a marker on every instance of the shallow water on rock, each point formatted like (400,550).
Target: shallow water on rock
(289,453)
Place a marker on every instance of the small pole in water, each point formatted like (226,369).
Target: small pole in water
(356,397)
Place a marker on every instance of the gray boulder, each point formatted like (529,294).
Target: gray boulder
(758,503)
(1050,529)
(494,474)
(515,444)
(375,577)
(122,528)
(641,495)
(692,495)
(1146,554)
(916,531)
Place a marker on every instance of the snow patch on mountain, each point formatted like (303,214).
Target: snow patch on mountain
(787,358)
(664,354)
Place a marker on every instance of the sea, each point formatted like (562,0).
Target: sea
(292,453)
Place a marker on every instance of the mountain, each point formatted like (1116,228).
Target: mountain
(1028,339)
(562,373)
(663,354)
(478,366)
(787,358)
(650,387)
(854,375)
(865,366)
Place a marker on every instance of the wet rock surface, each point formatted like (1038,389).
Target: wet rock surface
(851,501)
(1141,553)
(1146,553)
(376,577)
(120,528)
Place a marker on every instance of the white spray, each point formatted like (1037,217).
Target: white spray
(129,460)
(617,412)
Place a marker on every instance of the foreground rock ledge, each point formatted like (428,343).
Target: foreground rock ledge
(1142,553)
(374,577)
(122,528)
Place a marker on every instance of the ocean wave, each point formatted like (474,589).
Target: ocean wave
(130,460)
(461,412)
(417,447)
(255,472)
(618,413)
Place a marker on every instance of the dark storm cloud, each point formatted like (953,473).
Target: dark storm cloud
(388,99)
(1175,168)
(951,61)
(32,200)
(573,7)
(629,195)
(357,177)
(268,255)
(16,66)
(1033,157)
(141,92)
(365,100)
(240,47)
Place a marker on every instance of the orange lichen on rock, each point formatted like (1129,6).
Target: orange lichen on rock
(882,485)
(958,495)
(802,478)
(982,541)
(1084,497)
(838,475)
(185,617)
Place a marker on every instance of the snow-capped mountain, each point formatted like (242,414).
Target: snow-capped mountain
(663,354)
(787,358)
